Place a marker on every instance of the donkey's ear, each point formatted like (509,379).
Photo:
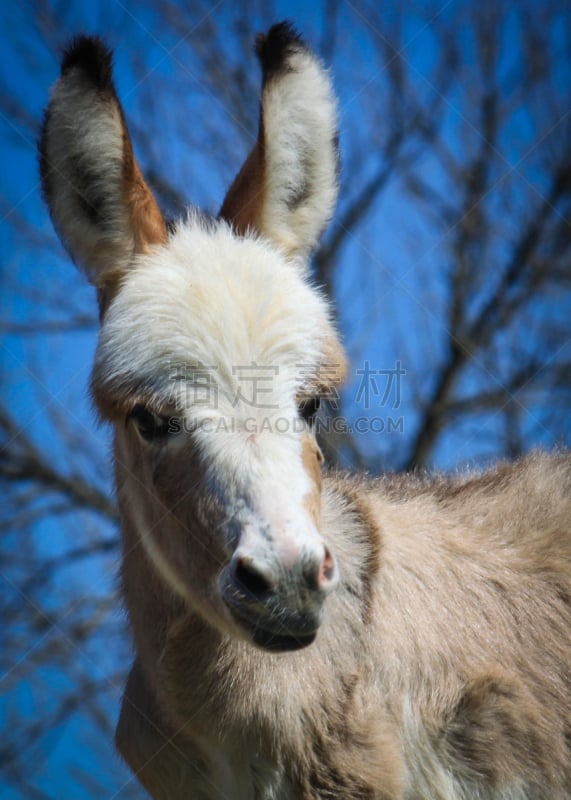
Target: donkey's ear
(287,188)
(101,207)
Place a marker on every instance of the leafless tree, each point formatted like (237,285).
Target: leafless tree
(449,261)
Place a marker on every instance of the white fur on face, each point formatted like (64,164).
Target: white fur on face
(232,315)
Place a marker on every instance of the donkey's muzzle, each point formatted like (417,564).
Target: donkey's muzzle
(277,629)
(279,608)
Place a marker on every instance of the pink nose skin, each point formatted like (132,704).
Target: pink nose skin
(327,576)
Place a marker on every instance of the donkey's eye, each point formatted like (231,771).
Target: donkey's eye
(308,409)
(151,426)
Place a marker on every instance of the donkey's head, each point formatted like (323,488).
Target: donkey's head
(214,349)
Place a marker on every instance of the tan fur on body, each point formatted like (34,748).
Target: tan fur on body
(298,635)
(454,679)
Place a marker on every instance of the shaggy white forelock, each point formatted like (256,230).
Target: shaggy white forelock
(213,299)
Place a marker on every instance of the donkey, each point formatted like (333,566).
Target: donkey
(298,633)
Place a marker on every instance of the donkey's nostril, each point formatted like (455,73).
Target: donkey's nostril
(249,577)
(320,572)
(327,571)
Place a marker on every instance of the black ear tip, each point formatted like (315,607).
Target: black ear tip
(273,47)
(91,55)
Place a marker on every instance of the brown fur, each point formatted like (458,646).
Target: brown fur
(145,217)
(358,505)
(312,461)
(454,601)
(244,200)
(498,732)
